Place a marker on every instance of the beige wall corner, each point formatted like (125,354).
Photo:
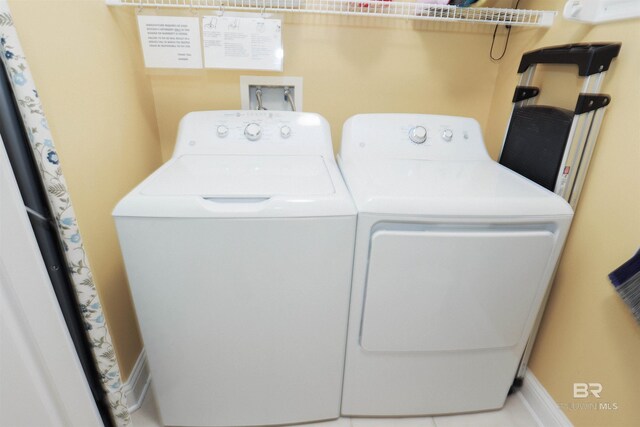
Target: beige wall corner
(100,108)
(588,334)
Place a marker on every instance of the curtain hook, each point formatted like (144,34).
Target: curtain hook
(262,13)
(139,9)
(221,9)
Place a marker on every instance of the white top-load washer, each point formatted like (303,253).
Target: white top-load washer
(239,254)
(453,256)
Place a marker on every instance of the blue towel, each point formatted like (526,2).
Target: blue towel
(626,280)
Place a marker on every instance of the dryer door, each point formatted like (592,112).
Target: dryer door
(433,288)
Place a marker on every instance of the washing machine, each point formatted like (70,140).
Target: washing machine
(239,255)
(454,254)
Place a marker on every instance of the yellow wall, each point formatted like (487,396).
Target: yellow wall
(588,334)
(350,67)
(99,106)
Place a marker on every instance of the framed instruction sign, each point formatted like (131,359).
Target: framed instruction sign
(170,41)
(242,41)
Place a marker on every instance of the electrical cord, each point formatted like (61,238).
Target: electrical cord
(506,43)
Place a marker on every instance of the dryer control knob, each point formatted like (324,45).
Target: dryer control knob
(222,131)
(418,134)
(447,135)
(253,131)
(285,131)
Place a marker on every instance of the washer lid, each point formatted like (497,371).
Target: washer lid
(240,186)
(241,176)
(446,188)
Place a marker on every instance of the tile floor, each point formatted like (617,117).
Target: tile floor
(516,413)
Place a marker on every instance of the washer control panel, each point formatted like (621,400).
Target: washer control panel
(412,136)
(271,126)
(271,132)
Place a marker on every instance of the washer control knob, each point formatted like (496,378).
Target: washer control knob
(253,131)
(285,131)
(222,131)
(447,135)
(418,134)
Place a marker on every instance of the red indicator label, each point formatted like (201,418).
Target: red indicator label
(566,170)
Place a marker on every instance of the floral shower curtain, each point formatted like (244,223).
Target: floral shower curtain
(48,163)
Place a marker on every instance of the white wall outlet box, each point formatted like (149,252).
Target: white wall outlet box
(272,91)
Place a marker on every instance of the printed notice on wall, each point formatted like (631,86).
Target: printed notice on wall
(170,41)
(242,41)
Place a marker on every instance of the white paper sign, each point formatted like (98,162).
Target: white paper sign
(241,42)
(170,41)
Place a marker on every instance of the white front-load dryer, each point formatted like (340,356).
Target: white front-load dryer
(239,254)
(454,254)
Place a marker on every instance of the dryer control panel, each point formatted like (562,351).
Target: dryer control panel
(253,132)
(412,136)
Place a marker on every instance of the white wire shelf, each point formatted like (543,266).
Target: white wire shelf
(375,8)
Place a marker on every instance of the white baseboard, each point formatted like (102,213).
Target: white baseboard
(535,396)
(542,404)
(136,386)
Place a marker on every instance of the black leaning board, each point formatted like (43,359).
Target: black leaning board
(535,143)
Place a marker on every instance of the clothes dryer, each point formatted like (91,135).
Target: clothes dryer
(454,255)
